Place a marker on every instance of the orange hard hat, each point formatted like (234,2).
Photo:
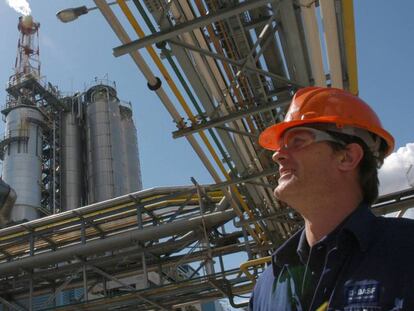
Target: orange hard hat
(327,105)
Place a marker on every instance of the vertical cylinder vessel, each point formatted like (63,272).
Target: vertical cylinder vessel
(72,162)
(103,136)
(130,143)
(22,160)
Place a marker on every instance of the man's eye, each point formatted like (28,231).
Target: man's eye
(297,141)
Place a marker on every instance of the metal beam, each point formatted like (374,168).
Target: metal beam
(256,23)
(228,118)
(234,62)
(182,206)
(110,277)
(150,213)
(11,305)
(61,287)
(262,36)
(239,224)
(5,253)
(394,202)
(244,133)
(90,222)
(187,27)
(244,179)
(291,40)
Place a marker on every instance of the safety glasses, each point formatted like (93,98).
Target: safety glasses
(299,137)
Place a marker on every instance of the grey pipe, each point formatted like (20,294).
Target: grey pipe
(96,207)
(116,242)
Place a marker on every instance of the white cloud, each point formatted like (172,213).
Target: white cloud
(396,173)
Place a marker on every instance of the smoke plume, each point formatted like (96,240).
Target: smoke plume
(20,6)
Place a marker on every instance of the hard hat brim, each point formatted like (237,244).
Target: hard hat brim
(270,137)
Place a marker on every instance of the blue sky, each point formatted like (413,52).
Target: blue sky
(74,54)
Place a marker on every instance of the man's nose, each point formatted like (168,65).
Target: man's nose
(279,155)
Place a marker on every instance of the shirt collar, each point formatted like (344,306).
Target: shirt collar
(287,252)
(360,224)
(303,249)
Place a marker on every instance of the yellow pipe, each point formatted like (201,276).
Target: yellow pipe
(128,14)
(350,45)
(244,267)
(155,58)
(323,307)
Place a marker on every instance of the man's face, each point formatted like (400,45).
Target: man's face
(305,171)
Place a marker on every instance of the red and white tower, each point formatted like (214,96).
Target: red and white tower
(27,59)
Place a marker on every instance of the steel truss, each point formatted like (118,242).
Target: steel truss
(155,231)
(243,60)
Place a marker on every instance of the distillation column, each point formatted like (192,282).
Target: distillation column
(130,142)
(105,164)
(22,160)
(72,161)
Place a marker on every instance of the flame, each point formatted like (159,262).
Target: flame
(20,6)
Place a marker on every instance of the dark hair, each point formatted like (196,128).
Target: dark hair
(368,167)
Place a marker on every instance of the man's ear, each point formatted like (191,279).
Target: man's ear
(350,157)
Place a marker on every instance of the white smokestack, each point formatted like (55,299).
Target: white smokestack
(20,6)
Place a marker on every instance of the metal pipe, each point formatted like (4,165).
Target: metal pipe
(94,209)
(112,278)
(31,294)
(244,267)
(116,26)
(85,283)
(212,72)
(143,260)
(173,263)
(332,42)
(171,83)
(183,28)
(61,288)
(229,118)
(243,66)
(123,36)
(217,84)
(121,240)
(54,168)
(10,305)
(313,42)
(180,77)
(350,45)
(208,70)
(251,154)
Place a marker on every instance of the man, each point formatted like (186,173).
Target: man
(328,150)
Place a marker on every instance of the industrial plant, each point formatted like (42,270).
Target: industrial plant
(60,153)
(79,232)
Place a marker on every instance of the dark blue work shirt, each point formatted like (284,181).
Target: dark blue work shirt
(366,264)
